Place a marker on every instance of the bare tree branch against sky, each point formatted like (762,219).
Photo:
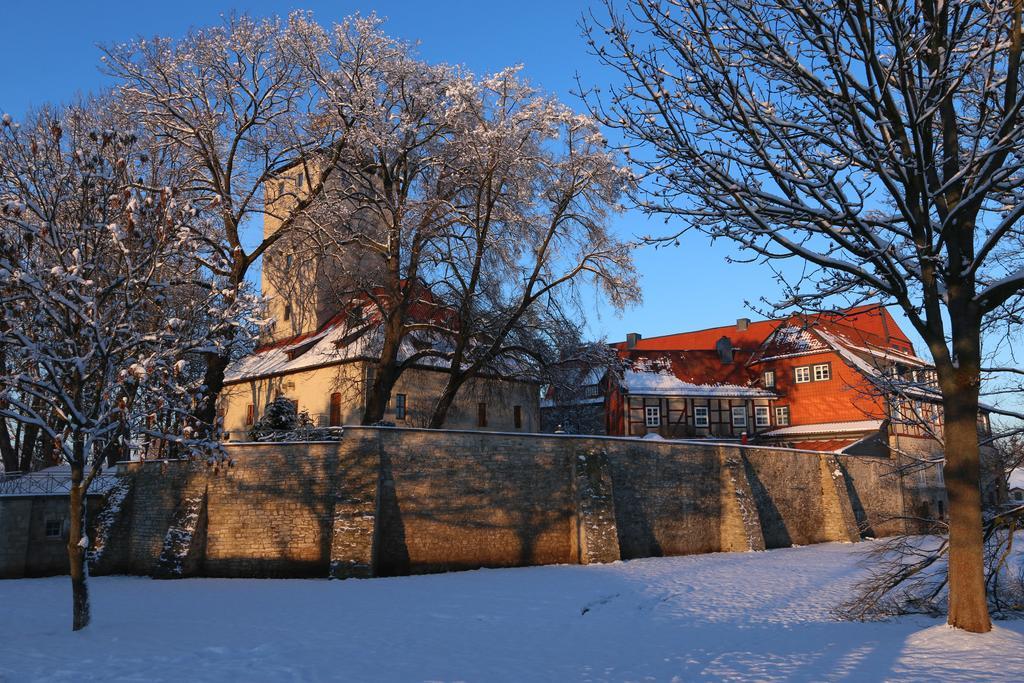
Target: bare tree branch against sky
(50,53)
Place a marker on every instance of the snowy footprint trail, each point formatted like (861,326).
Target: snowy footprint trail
(728,616)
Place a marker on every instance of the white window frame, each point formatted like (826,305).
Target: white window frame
(782,416)
(652,416)
(769,379)
(822,372)
(743,415)
(802,374)
(54,520)
(762,418)
(701,416)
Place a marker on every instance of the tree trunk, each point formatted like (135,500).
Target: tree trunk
(445,401)
(76,551)
(380,392)
(213,379)
(8,452)
(387,369)
(968,604)
(29,442)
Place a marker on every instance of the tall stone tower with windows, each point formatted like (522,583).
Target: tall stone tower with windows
(308,277)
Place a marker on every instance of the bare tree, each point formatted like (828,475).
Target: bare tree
(878,143)
(390,195)
(537,185)
(476,206)
(100,276)
(234,105)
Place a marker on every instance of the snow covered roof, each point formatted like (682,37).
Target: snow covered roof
(324,348)
(893,355)
(654,377)
(828,428)
(1017,478)
(788,341)
(337,342)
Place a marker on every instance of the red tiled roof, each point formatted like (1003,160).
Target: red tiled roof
(700,367)
(869,324)
(705,340)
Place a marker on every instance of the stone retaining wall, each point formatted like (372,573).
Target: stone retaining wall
(386,501)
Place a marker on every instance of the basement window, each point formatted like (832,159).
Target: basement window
(700,416)
(54,527)
(652,415)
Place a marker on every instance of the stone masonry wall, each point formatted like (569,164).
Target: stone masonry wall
(386,501)
(25,548)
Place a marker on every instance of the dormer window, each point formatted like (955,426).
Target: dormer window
(724,348)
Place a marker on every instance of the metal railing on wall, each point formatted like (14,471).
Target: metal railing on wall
(48,484)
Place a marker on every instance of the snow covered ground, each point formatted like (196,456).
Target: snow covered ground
(755,616)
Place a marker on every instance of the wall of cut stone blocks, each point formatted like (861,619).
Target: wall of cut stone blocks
(25,547)
(386,501)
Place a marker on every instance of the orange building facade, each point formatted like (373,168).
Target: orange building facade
(809,381)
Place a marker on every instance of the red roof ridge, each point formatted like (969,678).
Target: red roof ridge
(705,329)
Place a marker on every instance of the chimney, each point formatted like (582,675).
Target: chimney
(742,324)
(631,339)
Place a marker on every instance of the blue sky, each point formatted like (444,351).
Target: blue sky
(48,52)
